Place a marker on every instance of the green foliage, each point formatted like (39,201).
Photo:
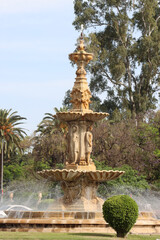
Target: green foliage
(12,172)
(41,165)
(124,60)
(131,176)
(145,133)
(76,236)
(121,213)
(67,100)
(147,138)
(157,153)
(59,166)
(156,185)
(49,143)
(10,134)
(124,141)
(127,183)
(18,167)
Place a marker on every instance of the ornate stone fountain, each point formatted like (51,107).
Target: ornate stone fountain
(79,210)
(80,179)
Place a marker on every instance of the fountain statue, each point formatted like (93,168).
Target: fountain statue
(80,179)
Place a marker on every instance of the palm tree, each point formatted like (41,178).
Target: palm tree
(50,123)
(10,136)
(49,140)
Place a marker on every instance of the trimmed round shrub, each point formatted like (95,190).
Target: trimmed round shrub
(121,213)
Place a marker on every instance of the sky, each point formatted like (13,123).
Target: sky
(36,37)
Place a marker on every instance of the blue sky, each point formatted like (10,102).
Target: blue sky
(36,37)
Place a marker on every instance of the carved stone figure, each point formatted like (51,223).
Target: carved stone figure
(11,196)
(88,143)
(68,139)
(39,197)
(72,190)
(75,145)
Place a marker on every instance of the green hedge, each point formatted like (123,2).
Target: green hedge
(121,213)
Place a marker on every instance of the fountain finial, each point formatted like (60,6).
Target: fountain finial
(82,27)
(80,41)
(80,95)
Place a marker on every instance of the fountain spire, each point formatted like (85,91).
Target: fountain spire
(81,95)
(80,118)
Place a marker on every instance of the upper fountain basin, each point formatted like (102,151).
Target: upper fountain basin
(72,175)
(89,116)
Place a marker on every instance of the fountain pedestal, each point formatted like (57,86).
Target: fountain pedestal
(79,187)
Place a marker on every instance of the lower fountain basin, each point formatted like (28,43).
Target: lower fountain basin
(79,187)
(68,215)
(53,215)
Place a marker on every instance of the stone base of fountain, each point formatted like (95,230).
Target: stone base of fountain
(147,215)
(81,205)
(53,215)
(71,221)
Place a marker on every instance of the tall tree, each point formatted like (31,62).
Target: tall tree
(125,40)
(10,137)
(50,122)
(120,141)
(10,133)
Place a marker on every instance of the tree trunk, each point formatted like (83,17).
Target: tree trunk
(121,234)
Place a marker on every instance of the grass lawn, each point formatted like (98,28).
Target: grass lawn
(70,236)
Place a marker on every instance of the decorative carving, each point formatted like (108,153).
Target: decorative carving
(79,143)
(76,98)
(11,196)
(80,99)
(88,143)
(39,197)
(80,71)
(69,153)
(81,188)
(80,95)
(75,144)
(72,191)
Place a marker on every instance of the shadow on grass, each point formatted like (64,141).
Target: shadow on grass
(92,234)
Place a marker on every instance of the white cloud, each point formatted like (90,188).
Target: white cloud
(16,6)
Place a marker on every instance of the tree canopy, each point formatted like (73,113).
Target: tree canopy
(125,40)
(10,132)
(49,142)
(120,142)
